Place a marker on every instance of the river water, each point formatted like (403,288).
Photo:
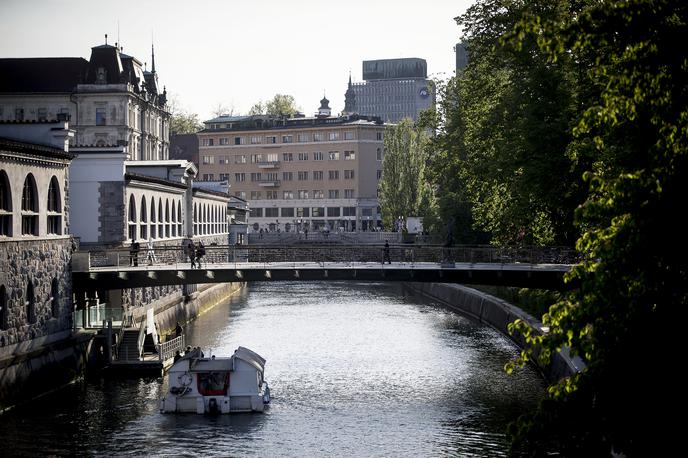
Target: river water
(354,370)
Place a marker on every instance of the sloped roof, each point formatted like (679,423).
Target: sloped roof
(41,74)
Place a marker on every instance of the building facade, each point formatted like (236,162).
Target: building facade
(317,173)
(393,89)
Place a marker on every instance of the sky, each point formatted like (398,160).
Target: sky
(235,53)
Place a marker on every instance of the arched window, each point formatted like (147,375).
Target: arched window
(3,308)
(179,218)
(54,298)
(143,233)
(205,218)
(161,222)
(5,205)
(174,220)
(168,231)
(132,218)
(195,219)
(152,218)
(30,304)
(54,207)
(30,206)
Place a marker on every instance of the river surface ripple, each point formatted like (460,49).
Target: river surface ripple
(354,370)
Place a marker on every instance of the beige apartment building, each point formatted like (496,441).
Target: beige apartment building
(315,173)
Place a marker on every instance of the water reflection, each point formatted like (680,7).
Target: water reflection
(354,369)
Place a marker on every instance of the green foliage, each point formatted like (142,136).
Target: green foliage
(185,123)
(504,127)
(627,317)
(404,190)
(279,105)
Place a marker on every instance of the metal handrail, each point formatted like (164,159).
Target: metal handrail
(168,349)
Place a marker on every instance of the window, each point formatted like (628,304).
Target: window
(241,177)
(302,138)
(5,206)
(224,141)
(349,155)
(349,211)
(333,155)
(256,140)
(271,194)
(317,212)
(333,194)
(349,194)
(348,174)
(100,117)
(287,157)
(348,135)
(271,176)
(379,174)
(333,174)
(367,212)
(54,208)
(240,194)
(224,177)
(318,137)
(255,176)
(240,159)
(271,212)
(132,218)
(333,211)
(287,212)
(287,195)
(333,136)
(318,175)
(211,142)
(302,212)
(29,207)
(302,175)
(42,114)
(303,156)
(152,219)
(239,140)
(302,193)
(378,154)
(318,156)
(223,160)
(208,177)
(256,195)
(257,158)
(379,136)
(30,304)
(257,212)
(288,176)
(318,194)
(287,139)
(143,233)
(208,159)
(54,298)
(270,139)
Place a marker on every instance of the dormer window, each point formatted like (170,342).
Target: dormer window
(101,75)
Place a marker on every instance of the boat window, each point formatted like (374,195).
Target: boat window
(213,383)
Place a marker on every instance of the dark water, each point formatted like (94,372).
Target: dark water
(354,370)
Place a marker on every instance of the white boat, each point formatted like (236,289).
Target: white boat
(218,384)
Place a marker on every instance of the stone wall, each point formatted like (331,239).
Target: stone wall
(39,262)
(496,313)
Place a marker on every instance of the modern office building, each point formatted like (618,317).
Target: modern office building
(461,56)
(315,173)
(393,89)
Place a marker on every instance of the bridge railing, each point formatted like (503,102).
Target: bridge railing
(348,254)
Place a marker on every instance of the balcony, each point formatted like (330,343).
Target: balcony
(269,183)
(268,164)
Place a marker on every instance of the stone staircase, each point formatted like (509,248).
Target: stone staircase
(129,346)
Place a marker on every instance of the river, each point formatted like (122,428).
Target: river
(354,370)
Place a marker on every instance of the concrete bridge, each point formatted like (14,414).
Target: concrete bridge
(522,267)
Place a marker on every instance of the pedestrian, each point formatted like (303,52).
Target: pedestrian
(150,254)
(177,356)
(178,330)
(192,253)
(305,232)
(134,252)
(386,257)
(200,252)
(261,233)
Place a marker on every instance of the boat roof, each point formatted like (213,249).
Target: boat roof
(251,357)
(218,364)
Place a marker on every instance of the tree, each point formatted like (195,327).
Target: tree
(223,110)
(404,190)
(626,318)
(181,121)
(279,105)
(504,126)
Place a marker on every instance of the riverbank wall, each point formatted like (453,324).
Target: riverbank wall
(497,314)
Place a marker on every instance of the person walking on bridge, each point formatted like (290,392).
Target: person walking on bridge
(385,252)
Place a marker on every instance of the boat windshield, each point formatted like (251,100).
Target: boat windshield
(213,383)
